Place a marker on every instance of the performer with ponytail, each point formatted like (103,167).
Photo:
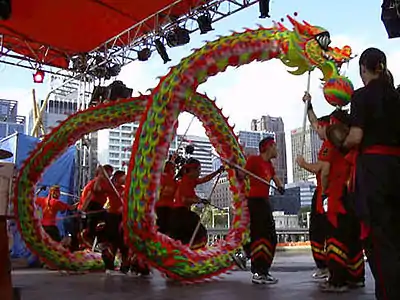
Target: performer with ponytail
(262,226)
(375,133)
(183,221)
(50,206)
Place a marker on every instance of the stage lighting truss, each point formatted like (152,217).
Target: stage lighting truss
(111,56)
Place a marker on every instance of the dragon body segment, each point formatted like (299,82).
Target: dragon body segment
(305,48)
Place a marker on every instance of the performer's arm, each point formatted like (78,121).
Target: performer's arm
(358,120)
(277,181)
(325,168)
(310,167)
(310,111)
(209,176)
(86,201)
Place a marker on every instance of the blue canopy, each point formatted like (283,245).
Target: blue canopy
(61,172)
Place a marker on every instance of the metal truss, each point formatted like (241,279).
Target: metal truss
(115,51)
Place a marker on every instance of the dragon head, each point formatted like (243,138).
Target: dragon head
(308,47)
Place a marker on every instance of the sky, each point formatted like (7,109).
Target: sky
(259,88)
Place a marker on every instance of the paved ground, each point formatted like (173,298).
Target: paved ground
(293,271)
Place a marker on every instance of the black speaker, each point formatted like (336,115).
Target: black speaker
(5,9)
(391,18)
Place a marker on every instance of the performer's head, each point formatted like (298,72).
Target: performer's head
(55,192)
(192,168)
(339,116)
(322,124)
(169,168)
(373,65)
(337,134)
(267,148)
(107,168)
(118,178)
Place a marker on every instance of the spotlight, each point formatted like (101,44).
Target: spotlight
(114,70)
(38,77)
(204,22)
(5,9)
(391,17)
(162,51)
(118,90)
(264,8)
(144,54)
(177,37)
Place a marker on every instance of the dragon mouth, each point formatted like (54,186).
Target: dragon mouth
(324,40)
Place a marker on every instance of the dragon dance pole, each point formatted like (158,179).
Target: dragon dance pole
(199,222)
(303,136)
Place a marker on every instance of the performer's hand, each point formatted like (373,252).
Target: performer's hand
(281,190)
(300,161)
(307,97)
(221,169)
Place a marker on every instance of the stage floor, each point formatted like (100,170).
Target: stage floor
(293,270)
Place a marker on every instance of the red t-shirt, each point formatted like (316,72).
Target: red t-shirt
(98,197)
(168,190)
(186,189)
(338,175)
(50,208)
(264,169)
(115,201)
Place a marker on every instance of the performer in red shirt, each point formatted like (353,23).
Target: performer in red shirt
(113,229)
(318,222)
(51,206)
(183,220)
(262,225)
(93,198)
(167,195)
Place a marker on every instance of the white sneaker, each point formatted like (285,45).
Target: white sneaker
(114,273)
(327,287)
(263,279)
(321,274)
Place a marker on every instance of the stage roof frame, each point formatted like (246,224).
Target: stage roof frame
(122,47)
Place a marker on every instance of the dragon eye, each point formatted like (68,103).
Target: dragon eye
(324,40)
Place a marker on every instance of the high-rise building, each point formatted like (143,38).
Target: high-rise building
(275,125)
(115,145)
(304,189)
(249,140)
(10,121)
(55,112)
(312,144)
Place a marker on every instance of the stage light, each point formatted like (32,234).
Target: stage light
(5,9)
(162,51)
(177,37)
(38,77)
(144,54)
(204,22)
(391,17)
(114,70)
(264,8)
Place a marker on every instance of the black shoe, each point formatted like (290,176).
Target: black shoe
(356,284)
(241,260)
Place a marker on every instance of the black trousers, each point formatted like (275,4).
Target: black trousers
(262,234)
(318,234)
(94,218)
(345,256)
(163,218)
(53,232)
(115,241)
(377,194)
(182,225)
